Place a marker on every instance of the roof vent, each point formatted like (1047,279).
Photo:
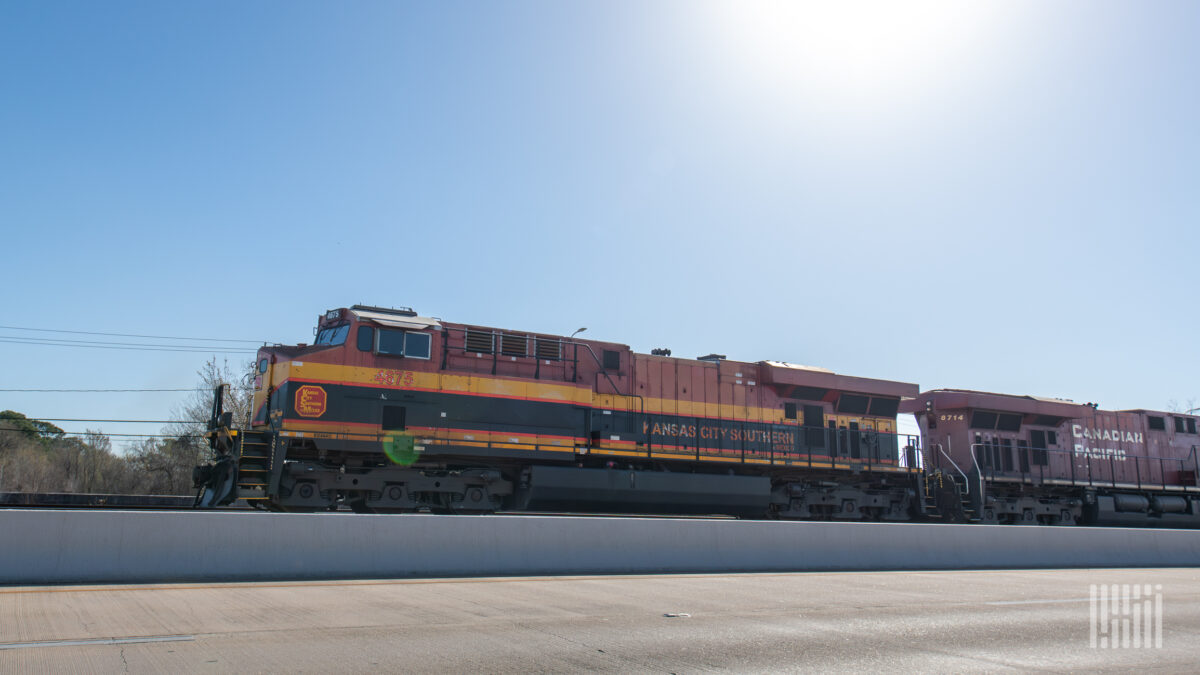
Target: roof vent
(712,358)
(400,311)
(662,351)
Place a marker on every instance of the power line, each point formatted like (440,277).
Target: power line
(153,337)
(77,419)
(109,342)
(88,391)
(89,433)
(193,349)
(95,390)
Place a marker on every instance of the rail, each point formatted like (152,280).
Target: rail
(966,481)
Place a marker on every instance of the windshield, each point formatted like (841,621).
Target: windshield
(334,335)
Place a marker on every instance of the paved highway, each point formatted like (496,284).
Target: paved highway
(822,622)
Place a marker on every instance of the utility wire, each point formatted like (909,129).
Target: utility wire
(88,391)
(153,337)
(193,349)
(89,433)
(109,342)
(77,419)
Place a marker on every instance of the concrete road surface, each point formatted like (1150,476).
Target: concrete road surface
(817,622)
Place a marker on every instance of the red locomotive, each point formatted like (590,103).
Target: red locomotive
(1020,459)
(388,411)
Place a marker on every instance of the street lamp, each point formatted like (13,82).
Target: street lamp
(577,332)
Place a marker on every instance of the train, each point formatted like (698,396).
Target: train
(387,411)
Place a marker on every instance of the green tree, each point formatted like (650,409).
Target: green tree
(30,428)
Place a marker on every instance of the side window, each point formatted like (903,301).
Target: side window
(417,345)
(1178,424)
(612,359)
(366,338)
(404,343)
(391,342)
(789,411)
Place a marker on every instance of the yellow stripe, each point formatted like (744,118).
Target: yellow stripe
(487,385)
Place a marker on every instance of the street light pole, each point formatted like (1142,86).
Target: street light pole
(576,333)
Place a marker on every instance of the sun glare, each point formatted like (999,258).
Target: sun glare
(858,48)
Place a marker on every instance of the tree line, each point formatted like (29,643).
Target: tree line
(37,456)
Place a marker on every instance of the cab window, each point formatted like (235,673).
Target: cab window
(416,345)
(366,338)
(403,343)
(334,335)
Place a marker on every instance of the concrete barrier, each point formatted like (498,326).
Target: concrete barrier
(41,547)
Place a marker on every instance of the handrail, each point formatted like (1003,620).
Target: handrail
(562,357)
(616,390)
(966,481)
(1092,477)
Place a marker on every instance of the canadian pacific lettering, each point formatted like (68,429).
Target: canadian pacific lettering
(1117,435)
(1084,434)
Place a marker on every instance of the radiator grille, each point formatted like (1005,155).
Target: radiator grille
(480,341)
(513,345)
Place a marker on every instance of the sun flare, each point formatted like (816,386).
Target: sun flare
(855,47)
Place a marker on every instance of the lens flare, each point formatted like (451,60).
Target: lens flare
(401,448)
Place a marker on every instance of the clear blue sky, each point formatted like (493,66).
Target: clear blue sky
(997,196)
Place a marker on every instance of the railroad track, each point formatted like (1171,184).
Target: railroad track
(67,500)
(62,500)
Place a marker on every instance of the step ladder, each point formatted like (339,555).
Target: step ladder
(254,464)
(937,484)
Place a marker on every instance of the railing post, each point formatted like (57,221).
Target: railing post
(445,348)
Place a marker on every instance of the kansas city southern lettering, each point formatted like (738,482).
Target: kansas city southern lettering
(710,433)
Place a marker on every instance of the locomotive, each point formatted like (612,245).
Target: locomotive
(391,412)
(1024,459)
